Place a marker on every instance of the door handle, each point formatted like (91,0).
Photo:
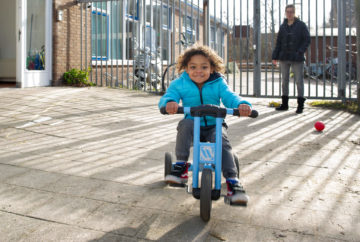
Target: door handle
(19,34)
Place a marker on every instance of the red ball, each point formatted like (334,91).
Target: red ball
(319,126)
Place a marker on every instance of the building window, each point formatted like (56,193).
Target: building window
(189,28)
(132,9)
(222,44)
(213,38)
(114,29)
(99,33)
(132,39)
(160,27)
(166,15)
(217,41)
(132,28)
(166,33)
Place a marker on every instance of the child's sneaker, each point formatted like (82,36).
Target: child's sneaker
(236,192)
(179,174)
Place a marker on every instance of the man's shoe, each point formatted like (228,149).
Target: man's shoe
(236,193)
(179,174)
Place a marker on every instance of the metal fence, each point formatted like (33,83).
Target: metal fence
(131,43)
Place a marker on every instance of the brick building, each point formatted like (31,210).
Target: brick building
(49,37)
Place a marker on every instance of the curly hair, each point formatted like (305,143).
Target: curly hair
(216,61)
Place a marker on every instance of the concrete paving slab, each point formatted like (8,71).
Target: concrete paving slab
(65,209)
(34,179)
(110,217)
(15,227)
(73,185)
(10,171)
(22,200)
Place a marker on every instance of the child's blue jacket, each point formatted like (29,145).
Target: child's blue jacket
(213,91)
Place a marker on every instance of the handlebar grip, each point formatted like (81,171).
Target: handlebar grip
(236,112)
(253,113)
(163,110)
(180,110)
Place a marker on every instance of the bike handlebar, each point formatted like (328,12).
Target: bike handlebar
(209,110)
(253,113)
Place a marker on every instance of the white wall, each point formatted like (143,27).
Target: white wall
(8,38)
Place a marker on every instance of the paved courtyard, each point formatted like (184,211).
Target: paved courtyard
(86,164)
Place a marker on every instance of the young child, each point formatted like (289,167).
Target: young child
(201,83)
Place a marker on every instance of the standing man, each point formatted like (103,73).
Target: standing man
(292,41)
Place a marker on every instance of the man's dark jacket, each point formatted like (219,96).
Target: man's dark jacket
(292,41)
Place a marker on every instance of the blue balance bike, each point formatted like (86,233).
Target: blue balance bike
(206,156)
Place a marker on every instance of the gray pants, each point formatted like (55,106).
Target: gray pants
(298,69)
(184,141)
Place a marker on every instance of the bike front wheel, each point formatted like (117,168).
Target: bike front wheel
(205,195)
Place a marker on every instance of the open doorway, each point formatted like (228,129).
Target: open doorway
(34,58)
(8,44)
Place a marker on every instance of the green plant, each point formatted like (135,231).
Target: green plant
(349,106)
(77,77)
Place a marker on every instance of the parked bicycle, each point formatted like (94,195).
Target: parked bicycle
(350,72)
(330,70)
(147,68)
(170,71)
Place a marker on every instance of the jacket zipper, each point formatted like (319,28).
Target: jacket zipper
(202,102)
(201,99)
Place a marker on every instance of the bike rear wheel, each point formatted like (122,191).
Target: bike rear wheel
(168,164)
(205,195)
(236,159)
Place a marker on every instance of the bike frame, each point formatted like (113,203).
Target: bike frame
(204,149)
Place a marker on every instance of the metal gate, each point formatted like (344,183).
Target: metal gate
(130,43)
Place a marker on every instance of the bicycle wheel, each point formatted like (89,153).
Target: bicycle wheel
(169,75)
(168,164)
(205,194)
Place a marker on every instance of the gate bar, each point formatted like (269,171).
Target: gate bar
(257,54)
(341,48)
(206,21)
